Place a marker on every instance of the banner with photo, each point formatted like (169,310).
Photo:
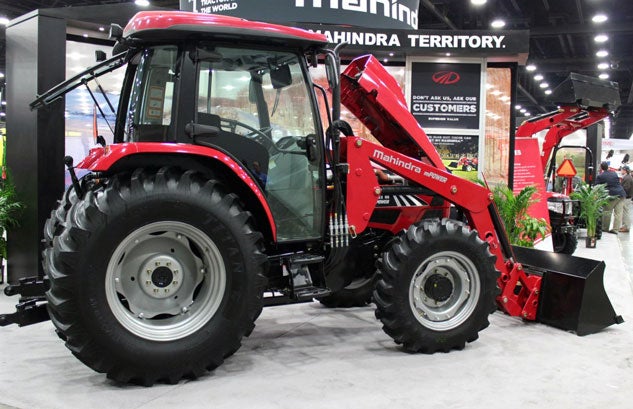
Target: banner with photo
(459,153)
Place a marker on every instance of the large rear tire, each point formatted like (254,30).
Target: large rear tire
(156,277)
(436,287)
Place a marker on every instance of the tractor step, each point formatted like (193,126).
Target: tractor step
(308,293)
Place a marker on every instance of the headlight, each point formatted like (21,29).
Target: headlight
(556,207)
(565,208)
(569,208)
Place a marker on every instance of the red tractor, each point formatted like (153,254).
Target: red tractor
(223,192)
(583,101)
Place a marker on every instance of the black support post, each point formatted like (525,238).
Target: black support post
(36,61)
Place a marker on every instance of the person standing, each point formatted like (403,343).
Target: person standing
(616,203)
(627,185)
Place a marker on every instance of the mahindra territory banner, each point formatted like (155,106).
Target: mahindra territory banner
(394,14)
(446,95)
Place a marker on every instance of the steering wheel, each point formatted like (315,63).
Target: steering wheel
(259,135)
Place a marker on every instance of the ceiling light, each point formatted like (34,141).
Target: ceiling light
(517,106)
(603,66)
(601,38)
(2,76)
(543,85)
(603,76)
(448,54)
(548,91)
(527,113)
(599,18)
(530,67)
(390,54)
(478,2)
(538,77)
(523,110)
(602,53)
(498,23)
(142,3)
(101,28)
(4,21)
(385,60)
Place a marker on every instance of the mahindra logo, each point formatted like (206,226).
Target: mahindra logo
(445,77)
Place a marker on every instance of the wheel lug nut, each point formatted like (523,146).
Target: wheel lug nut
(148,282)
(184,310)
(141,315)
(175,283)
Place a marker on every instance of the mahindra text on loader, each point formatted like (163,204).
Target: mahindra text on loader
(224,192)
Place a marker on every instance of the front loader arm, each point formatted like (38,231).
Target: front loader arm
(560,123)
(519,292)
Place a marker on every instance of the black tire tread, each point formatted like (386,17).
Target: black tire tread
(75,220)
(392,305)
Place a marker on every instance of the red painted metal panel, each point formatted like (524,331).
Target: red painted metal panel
(101,159)
(154,20)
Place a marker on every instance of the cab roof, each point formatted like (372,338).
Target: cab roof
(177,25)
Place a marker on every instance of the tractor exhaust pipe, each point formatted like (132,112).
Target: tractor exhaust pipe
(572,295)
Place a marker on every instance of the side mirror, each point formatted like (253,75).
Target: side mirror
(100,55)
(280,76)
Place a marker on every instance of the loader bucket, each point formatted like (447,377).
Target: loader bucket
(587,91)
(572,295)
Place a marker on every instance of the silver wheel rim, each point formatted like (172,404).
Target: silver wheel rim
(455,306)
(165,281)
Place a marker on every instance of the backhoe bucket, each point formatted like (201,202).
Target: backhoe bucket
(587,91)
(572,295)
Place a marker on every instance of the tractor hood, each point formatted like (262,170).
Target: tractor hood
(375,98)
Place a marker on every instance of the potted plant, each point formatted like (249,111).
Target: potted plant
(522,228)
(9,211)
(592,199)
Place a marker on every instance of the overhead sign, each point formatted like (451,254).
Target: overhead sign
(566,169)
(397,14)
(463,43)
(445,95)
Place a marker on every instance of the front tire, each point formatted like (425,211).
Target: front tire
(436,287)
(565,243)
(156,277)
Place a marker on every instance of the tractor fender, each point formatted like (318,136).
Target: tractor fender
(103,159)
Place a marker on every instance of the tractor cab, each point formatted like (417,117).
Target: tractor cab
(254,104)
